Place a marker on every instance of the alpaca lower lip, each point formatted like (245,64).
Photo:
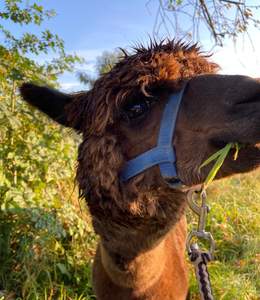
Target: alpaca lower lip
(251,146)
(252,151)
(257,145)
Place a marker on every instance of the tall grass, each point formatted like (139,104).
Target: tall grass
(235,225)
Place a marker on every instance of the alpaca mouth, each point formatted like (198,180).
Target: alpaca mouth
(256,146)
(248,147)
(249,153)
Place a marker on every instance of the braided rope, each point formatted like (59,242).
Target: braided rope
(199,260)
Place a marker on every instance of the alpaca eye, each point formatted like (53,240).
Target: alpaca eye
(136,110)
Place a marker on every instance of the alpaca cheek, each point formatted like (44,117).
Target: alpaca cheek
(100,159)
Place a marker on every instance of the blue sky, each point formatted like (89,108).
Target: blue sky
(91,27)
(100,24)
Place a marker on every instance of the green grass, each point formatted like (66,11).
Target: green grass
(235,224)
(46,251)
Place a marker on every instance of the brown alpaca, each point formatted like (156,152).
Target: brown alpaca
(141,222)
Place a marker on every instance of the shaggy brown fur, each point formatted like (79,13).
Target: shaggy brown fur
(141,222)
(135,76)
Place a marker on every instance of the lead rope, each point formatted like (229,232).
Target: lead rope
(200,258)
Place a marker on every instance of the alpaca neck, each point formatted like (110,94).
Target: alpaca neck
(157,273)
(139,273)
(141,257)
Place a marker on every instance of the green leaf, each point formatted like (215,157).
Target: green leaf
(219,162)
(63,269)
(237,147)
(211,158)
(220,157)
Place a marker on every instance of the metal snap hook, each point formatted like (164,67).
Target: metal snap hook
(202,212)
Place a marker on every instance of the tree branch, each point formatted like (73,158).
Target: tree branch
(233,2)
(208,19)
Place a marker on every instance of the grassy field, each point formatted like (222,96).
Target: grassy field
(46,251)
(235,225)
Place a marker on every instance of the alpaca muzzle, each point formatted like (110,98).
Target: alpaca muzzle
(163,154)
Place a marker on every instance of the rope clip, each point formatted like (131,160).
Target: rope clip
(202,212)
(199,258)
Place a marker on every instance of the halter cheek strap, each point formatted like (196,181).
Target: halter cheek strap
(163,154)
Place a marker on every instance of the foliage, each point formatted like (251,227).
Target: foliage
(221,18)
(45,253)
(21,129)
(41,231)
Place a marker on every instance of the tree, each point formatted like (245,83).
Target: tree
(18,49)
(16,66)
(221,18)
(104,64)
(36,161)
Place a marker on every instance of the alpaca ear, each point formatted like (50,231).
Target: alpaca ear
(49,101)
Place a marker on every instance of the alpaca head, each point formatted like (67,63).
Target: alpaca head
(119,118)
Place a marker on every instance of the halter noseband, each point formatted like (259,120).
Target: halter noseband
(163,154)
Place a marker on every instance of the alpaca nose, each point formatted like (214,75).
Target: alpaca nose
(246,90)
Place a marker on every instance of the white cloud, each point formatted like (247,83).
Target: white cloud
(89,54)
(243,59)
(71,86)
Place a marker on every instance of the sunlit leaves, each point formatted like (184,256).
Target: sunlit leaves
(36,165)
(22,12)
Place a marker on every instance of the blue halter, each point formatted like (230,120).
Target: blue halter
(163,154)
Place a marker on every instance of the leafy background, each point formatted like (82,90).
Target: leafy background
(46,239)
